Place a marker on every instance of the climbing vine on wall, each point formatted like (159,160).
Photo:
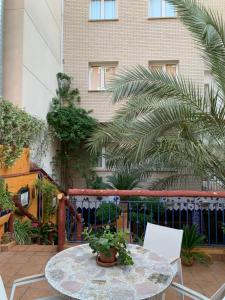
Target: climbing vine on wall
(18,129)
(69,123)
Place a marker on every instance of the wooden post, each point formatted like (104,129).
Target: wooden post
(79,227)
(61,222)
(11,224)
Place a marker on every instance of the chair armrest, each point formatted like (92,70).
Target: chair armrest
(28,278)
(174,260)
(188,292)
(25,280)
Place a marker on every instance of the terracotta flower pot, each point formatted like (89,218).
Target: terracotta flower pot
(108,258)
(188,262)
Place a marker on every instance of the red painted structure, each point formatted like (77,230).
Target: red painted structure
(144,193)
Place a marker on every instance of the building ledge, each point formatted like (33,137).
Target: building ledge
(162,18)
(103,20)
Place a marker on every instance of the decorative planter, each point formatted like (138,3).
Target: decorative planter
(7,247)
(187,262)
(107,260)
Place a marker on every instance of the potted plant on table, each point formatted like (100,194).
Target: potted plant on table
(111,247)
(191,240)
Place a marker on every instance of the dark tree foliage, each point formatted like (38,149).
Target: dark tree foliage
(70,124)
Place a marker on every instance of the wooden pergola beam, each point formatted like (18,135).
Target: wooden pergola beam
(144,193)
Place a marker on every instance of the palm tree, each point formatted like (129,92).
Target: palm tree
(123,179)
(168,122)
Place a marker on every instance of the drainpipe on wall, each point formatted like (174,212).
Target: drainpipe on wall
(1,44)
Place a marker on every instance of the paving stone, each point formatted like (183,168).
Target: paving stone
(23,261)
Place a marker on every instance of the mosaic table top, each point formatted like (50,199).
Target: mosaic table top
(74,273)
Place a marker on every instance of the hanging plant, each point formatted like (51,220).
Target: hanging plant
(18,129)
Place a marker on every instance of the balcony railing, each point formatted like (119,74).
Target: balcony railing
(130,214)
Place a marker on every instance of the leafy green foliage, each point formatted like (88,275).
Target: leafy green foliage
(191,240)
(22,232)
(102,242)
(167,122)
(69,124)
(94,181)
(43,232)
(18,129)
(5,197)
(49,192)
(123,179)
(105,210)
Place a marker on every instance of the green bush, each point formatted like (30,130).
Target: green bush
(22,232)
(18,129)
(106,209)
(5,197)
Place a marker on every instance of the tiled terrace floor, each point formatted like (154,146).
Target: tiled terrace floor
(23,261)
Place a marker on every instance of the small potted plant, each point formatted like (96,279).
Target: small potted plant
(191,240)
(111,247)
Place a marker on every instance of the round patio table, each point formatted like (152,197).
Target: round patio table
(74,273)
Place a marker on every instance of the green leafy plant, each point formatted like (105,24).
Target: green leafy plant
(18,129)
(104,241)
(45,234)
(6,238)
(49,192)
(191,240)
(5,197)
(22,232)
(106,210)
(123,179)
(69,124)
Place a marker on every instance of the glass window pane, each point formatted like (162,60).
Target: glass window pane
(155,8)
(170,11)
(95,9)
(171,69)
(109,72)
(109,9)
(95,78)
(156,67)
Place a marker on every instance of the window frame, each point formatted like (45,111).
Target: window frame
(103,159)
(163,64)
(163,11)
(102,67)
(102,12)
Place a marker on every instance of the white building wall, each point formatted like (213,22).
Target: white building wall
(41,60)
(32,57)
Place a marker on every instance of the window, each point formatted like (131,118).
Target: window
(100,75)
(169,68)
(101,161)
(103,9)
(161,8)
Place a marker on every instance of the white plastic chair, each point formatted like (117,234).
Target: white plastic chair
(184,291)
(166,242)
(3,295)
(23,281)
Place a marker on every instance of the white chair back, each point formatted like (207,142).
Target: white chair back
(164,241)
(220,294)
(3,295)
